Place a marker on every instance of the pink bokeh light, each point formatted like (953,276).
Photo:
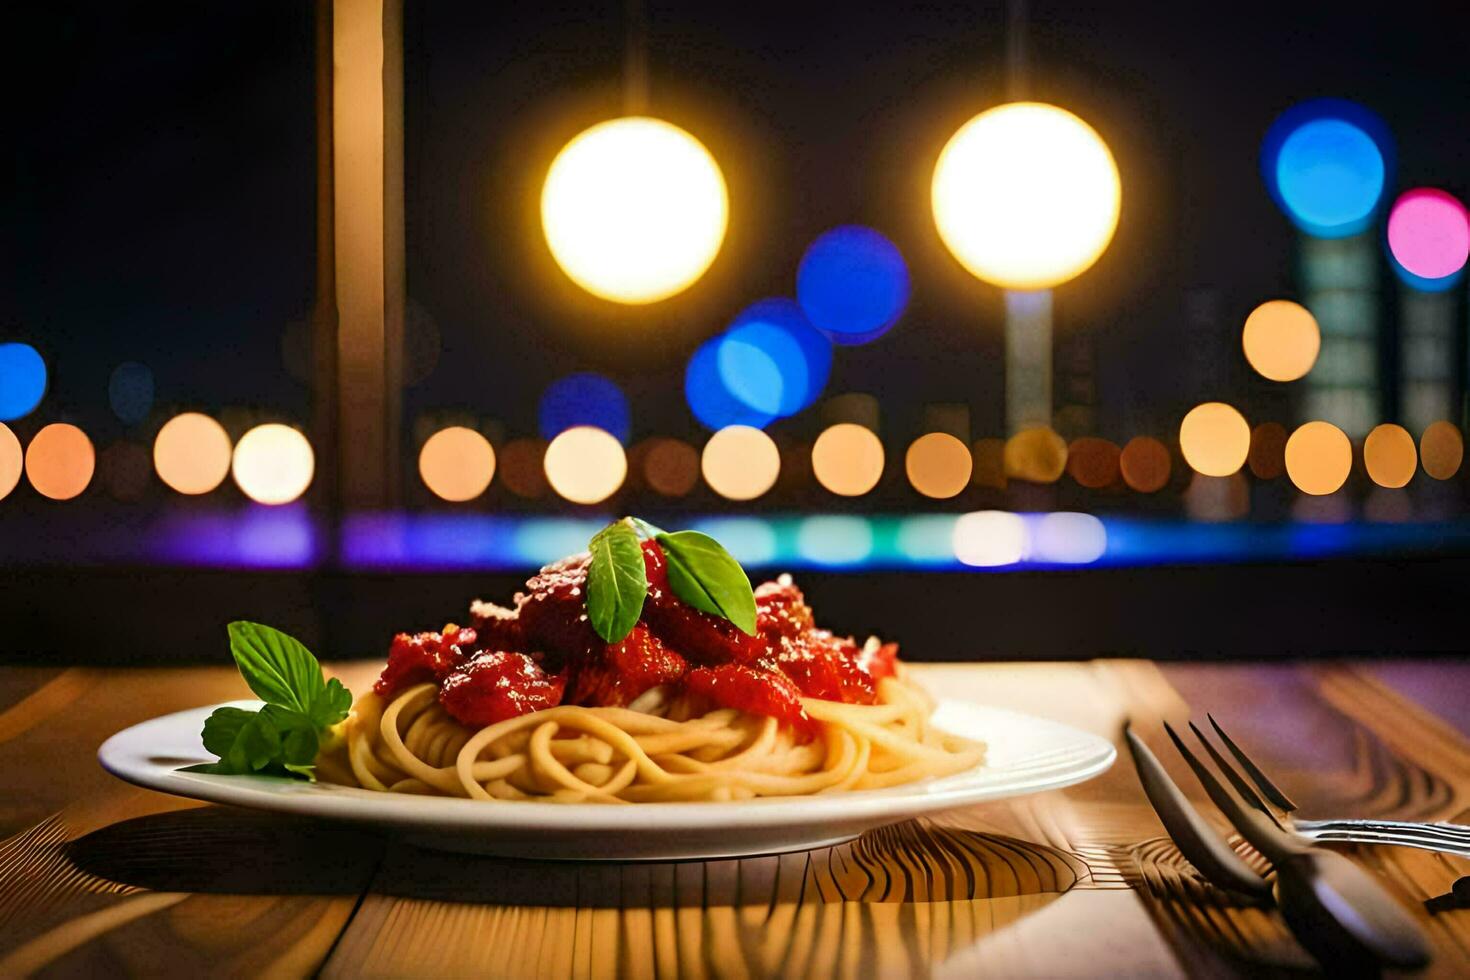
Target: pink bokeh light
(1429,233)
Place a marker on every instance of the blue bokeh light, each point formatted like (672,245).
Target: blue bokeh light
(772,360)
(709,399)
(130,392)
(852,284)
(22,380)
(585,399)
(1326,164)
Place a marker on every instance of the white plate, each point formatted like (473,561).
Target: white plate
(1024,755)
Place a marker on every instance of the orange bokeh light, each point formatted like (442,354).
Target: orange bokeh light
(1389,456)
(192,453)
(1145,464)
(1215,439)
(740,462)
(12,461)
(273,464)
(1441,450)
(1267,456)
(938,465)
(457,464)
(520,468)
(1281,340)
(1093,462)
(1036,455)
(60,461)
(1318,458)
(585,464)
(671,467)
(847,459)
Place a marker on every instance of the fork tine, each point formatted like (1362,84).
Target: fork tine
(1264,837)
(1242,788)
(1262,781)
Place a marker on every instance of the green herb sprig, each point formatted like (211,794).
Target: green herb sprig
(284,736)
(701,573)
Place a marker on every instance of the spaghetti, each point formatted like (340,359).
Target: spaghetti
(664,746)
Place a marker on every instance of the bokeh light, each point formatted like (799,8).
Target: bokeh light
(750,540)
(634,209)
(740,462)
(1093,462)
(1026,195)
(1281,340)
(60,461)
(1267,456)
(772,360)
(1441,450)
(1145,464)
(457,464)
(989,457)
(988,538)
(1429,236)
(22,380)
(521,471)
(847,459)
(584,398)
(710,401)
(586,465)
(1389,455)
(192,453)
(273,464)
(130,391)
(1068,538)
(926,538)
(1037,455)
(1326,163)
(125,469)
(1214,439)
(852,284)
(671,467)
(12,461)
(938,465)
(1319,458)
(834,539)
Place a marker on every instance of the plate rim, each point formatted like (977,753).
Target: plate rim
(1089,756)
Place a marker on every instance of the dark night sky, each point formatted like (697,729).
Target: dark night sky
(161,200)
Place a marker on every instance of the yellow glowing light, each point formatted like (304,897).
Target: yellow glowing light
(192,453)
(938,465)
(60,461)
(847,459)
(634,209)
(1026,195)
(1389,456)
(1214,439)
(1441,450)
(1281,340)
(1036,455)
(457,464)
(586,465)
(12,461)
(273,464)
(1318,458)
(740,462)
(990,537)
(671,467)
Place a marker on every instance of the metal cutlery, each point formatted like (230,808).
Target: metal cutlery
(1335,909)
(1445,837)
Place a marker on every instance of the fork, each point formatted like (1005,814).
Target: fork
(1448,838)
(1334,908)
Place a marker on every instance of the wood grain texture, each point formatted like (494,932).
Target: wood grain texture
(100,878)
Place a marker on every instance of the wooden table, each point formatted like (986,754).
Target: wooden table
(100,878)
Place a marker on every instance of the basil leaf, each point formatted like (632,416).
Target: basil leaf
(222,727)
(617,581)
(276,666)
(299,739)
(332,706)
(256,745)
(707,577)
